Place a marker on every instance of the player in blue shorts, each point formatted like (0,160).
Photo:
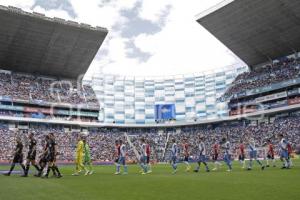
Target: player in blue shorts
(174,156)
(225,144)
(283,149)
(122,159)
(143,156)
(253,154)
(202,155)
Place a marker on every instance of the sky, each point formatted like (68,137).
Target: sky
(146,37)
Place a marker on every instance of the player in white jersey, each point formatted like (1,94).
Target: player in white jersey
(253,154)
(202,155)
(226,146)
(143,156)
(284,155)
(122,159)
(174,155)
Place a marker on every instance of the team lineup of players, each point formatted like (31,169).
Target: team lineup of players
(224,145)
(47,158)
(83,160)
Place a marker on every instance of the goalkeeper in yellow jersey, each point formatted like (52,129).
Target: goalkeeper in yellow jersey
(87,158)
(79,156)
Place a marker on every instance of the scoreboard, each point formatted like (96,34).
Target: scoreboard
(165,111)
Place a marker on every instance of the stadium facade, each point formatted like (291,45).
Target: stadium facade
(132,100)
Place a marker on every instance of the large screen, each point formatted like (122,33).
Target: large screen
(165,111)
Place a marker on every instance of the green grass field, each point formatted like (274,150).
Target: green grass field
(273,184)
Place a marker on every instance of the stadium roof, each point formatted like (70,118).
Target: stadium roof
(34,43)
(257,31)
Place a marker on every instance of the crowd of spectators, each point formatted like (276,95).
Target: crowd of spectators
(47,116)
(34,88)
(264,76)
(102,140)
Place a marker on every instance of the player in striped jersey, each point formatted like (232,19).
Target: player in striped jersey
(216,152)
(31,154)
(284,155)
(44,158)
(253,154)
(185,147)
(148,151)
(202,155)
(242,154)
(226,146)
(290,151)
(117,154)
(270,153)
(143,156)
(174,156)
(122,159)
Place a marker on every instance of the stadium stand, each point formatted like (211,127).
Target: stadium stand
(270,74)
(41,71)
(41,89)
(265,88)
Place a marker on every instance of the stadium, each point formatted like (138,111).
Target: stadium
(228,133)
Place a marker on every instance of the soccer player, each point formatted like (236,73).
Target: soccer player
(79,157)
(202,155)
(43,157)
(186,153)
(87,158)
(253,155)
(290,151)
(284,155)
(18,157)
(174,155)
(117,155)
(148,151)
(31,154)
(227,153)
(122,160)
(55,170)
(216,152)
(270,153)
(242,154)
(52,153)
(143,156)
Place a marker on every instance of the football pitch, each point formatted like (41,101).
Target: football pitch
(271,184)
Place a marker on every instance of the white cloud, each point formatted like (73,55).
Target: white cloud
(54,13)
(153,10)
(105,16)
(24,4)
(182,46)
